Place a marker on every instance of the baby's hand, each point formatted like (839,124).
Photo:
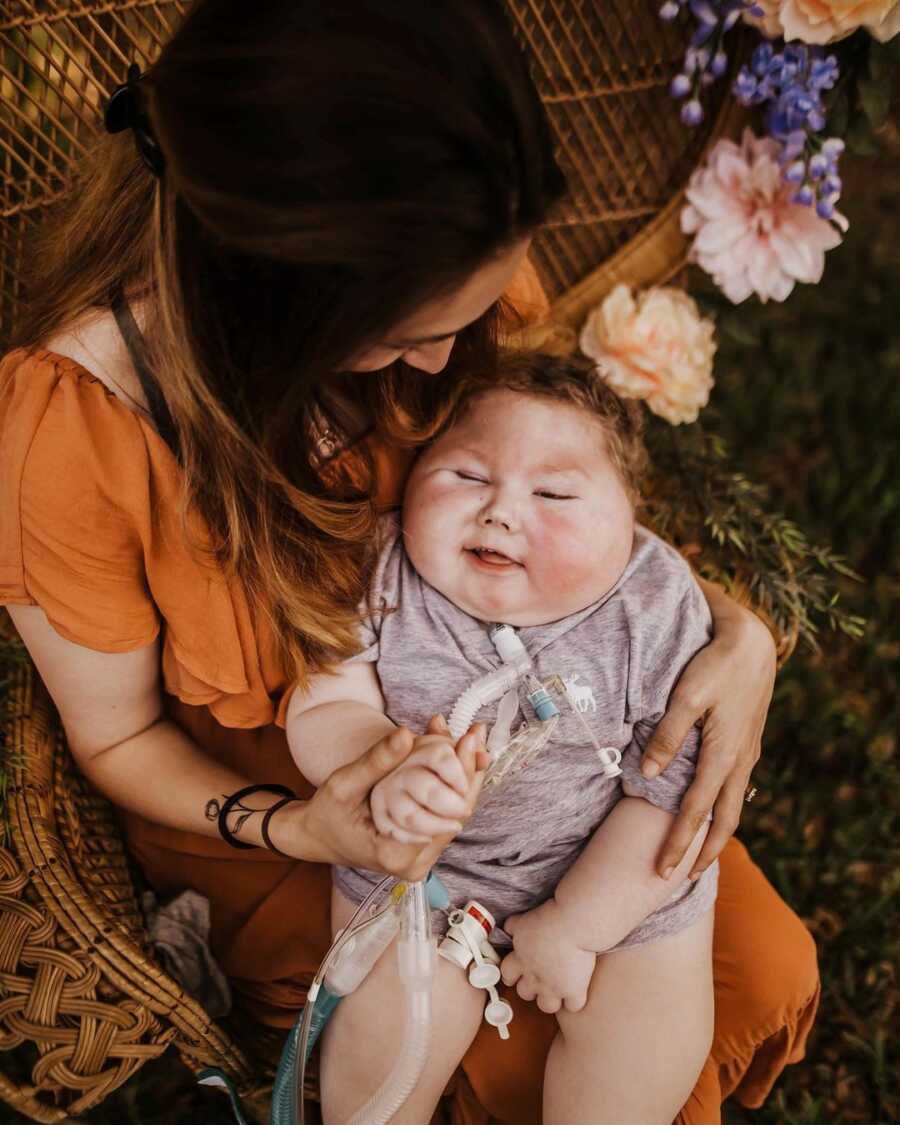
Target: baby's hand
(545,963)
(425,797)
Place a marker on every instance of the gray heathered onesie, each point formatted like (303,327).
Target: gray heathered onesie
(624,654)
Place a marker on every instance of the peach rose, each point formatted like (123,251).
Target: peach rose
(823,21)
(657,348)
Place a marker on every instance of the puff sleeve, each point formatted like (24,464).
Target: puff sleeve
(74,504)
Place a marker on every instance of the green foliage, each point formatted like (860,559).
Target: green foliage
(699,501)
(859,105)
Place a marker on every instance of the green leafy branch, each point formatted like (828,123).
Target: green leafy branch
(699,501)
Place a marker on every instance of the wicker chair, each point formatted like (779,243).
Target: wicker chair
(83,1004)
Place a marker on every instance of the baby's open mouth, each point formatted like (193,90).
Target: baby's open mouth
(494,558)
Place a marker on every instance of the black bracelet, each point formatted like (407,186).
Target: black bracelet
(264,827)
(235,798)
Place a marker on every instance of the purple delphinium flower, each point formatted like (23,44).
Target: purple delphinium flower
(681,86)
(692,112)
(705,59)
(795,173)
(790,83)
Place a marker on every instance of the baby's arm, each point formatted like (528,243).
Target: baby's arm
(336,720)
(612,886)
(341,716)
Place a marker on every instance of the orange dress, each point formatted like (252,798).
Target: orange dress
(89,531)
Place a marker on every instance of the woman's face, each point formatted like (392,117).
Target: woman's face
(425,339)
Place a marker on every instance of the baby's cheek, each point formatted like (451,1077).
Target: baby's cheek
(564,553)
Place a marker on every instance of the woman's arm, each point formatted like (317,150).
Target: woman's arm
(728,685)
(111,708)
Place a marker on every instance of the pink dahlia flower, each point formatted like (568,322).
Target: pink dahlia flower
(749,234)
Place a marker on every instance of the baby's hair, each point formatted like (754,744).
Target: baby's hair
(571,380)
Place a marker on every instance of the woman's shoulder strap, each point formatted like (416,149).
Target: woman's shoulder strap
(134,342)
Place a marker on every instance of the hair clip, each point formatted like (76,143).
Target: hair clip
(123,111)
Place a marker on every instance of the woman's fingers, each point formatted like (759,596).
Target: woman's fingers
(726,816)
(669,736)
(696,805)
(351,783)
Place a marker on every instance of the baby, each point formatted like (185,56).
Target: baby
(521,512)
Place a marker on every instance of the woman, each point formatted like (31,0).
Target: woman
(323,211)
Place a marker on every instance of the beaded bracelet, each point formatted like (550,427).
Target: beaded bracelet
(235,798)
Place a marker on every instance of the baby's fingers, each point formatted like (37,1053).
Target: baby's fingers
(433,794)
(548,1003)
(574,1003)
(511,968)
(409,816)
(403,837)
(442,759)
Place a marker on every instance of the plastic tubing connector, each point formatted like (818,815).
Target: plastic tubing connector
(416,955)
(492,685)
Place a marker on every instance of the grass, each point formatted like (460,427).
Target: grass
(807,396)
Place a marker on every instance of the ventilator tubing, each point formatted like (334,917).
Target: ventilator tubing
(416,958)
(492,685)
(314,1018)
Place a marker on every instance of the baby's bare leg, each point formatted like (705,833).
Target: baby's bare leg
(363,1038)
(634,1052)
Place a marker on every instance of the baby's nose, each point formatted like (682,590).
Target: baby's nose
(494,516)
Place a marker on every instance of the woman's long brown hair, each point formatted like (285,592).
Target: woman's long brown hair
(329,168)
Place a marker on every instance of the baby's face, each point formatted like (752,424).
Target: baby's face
(517,514)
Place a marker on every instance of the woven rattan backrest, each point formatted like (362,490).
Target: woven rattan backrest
(59,63)
(602,68)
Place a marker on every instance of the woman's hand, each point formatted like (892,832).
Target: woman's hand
(337,826)
(729,686)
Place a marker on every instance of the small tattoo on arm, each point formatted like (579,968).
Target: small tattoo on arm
(213,811)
